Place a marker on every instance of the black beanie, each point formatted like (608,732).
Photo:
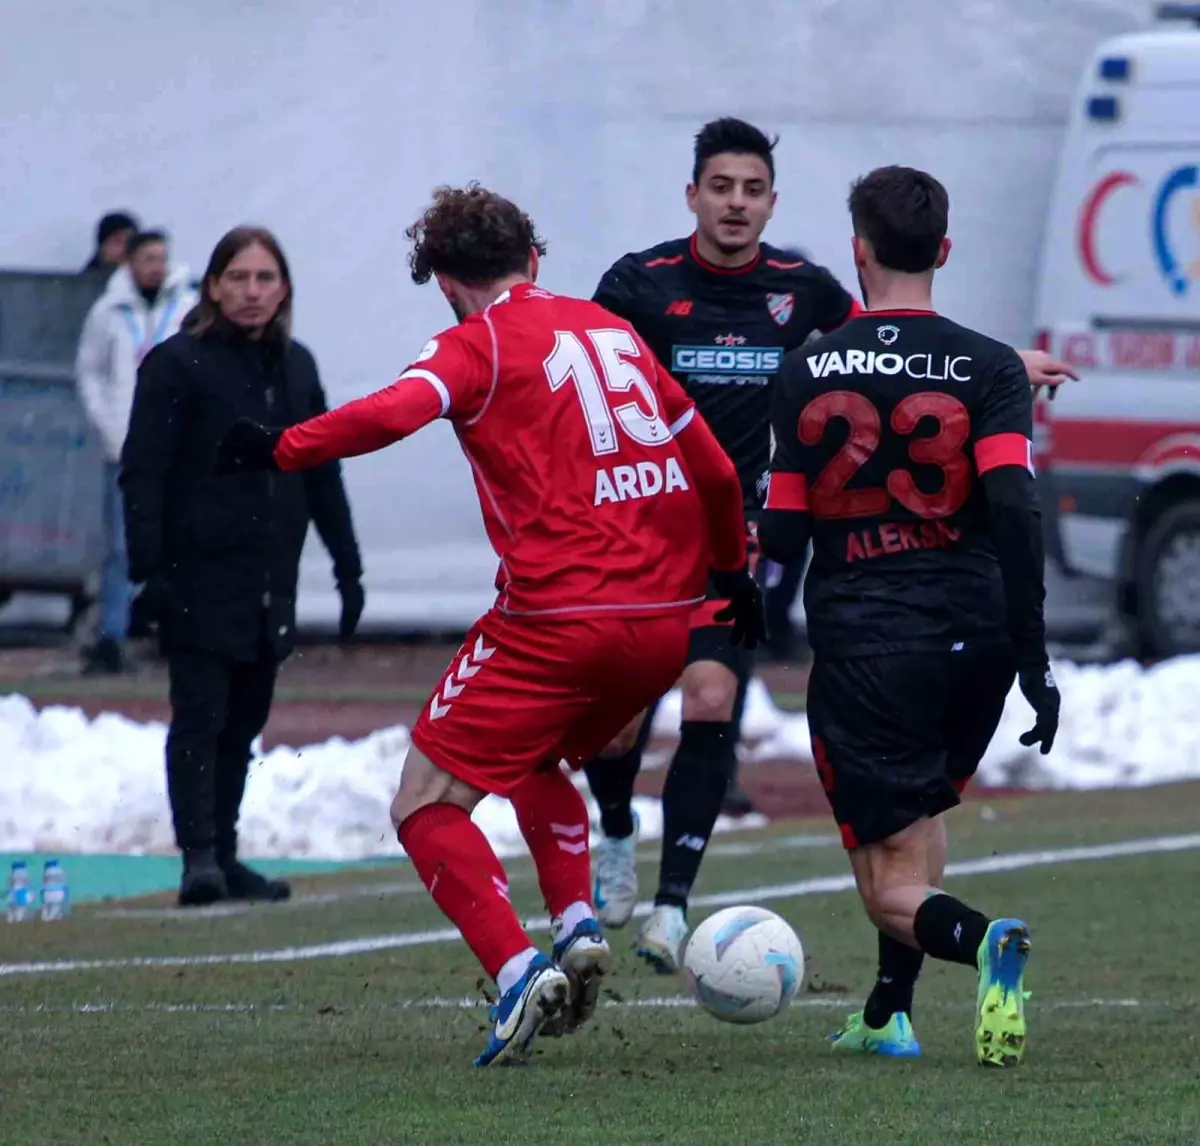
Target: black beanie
(112,223)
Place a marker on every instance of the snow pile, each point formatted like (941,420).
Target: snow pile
(74,785)
(70,784)
(1122,726)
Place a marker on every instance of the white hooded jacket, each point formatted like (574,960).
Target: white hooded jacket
(120,330)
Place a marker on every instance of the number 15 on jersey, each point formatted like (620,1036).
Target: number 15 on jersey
(569,361)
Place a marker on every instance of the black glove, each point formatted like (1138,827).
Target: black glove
(247,447)
(745,608)
(152,606)
(1038,687)
(353,600)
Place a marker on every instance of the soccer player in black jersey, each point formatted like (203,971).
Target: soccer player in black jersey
(719,308)
(903,451)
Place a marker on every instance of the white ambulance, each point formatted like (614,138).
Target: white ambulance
(1119,298)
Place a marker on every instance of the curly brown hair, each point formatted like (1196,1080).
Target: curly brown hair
(473,235)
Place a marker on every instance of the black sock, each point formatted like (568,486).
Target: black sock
(899,966)
(948,929)
(611,780)
(691,799)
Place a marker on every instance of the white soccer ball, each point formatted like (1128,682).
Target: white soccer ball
(744,964)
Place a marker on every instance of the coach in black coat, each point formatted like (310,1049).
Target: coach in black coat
(219,554)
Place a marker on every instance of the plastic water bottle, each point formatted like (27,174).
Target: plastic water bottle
(20,898)
(56,896)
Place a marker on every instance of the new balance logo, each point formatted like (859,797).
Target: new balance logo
(501,888)
(681,307)
(692,843)
(456,679)
(575,842)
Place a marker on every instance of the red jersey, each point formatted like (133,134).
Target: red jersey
(602,490)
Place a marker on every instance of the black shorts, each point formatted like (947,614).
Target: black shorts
(710,637)
(896,738)
(711,643)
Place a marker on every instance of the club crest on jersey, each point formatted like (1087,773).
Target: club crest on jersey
(781,307)
(888,333)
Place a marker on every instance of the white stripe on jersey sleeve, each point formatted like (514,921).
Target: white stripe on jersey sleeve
(434,381)
(681,423)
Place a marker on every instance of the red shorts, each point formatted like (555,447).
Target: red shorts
(520,693)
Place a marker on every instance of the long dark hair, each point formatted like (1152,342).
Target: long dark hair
(200,318)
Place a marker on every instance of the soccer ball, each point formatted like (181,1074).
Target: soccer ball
(744,964)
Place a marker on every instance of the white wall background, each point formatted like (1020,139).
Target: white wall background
(331,121)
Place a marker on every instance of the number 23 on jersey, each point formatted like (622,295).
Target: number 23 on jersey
(830,499)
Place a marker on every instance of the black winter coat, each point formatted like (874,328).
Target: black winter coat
(223,551)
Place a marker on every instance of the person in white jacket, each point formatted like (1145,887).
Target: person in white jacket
(142,305)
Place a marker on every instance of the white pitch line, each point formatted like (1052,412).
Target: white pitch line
(737,850)
(1016,861)
(223,910)
(434,1003)
(446,1003)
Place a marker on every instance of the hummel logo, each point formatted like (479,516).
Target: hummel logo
(468,666)
(576,842)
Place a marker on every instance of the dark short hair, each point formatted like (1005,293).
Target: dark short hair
(200,319)
(113,224)
(141,239)
(473,235)
(729,136)
(903,213)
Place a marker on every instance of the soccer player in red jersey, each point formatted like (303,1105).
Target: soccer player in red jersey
(608,502)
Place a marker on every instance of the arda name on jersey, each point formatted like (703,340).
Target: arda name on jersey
(646,479)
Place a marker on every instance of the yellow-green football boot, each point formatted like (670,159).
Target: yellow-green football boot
(1000,1007)
(895,1039)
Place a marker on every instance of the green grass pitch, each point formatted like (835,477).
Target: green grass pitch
(371,1041)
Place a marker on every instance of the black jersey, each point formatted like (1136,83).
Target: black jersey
(882,431)
(723,333)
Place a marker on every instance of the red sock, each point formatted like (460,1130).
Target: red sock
(467,881)
(554,822)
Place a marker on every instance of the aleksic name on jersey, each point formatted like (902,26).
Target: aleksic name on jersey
(723,333)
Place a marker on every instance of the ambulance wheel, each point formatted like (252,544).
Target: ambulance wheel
(1168,582)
